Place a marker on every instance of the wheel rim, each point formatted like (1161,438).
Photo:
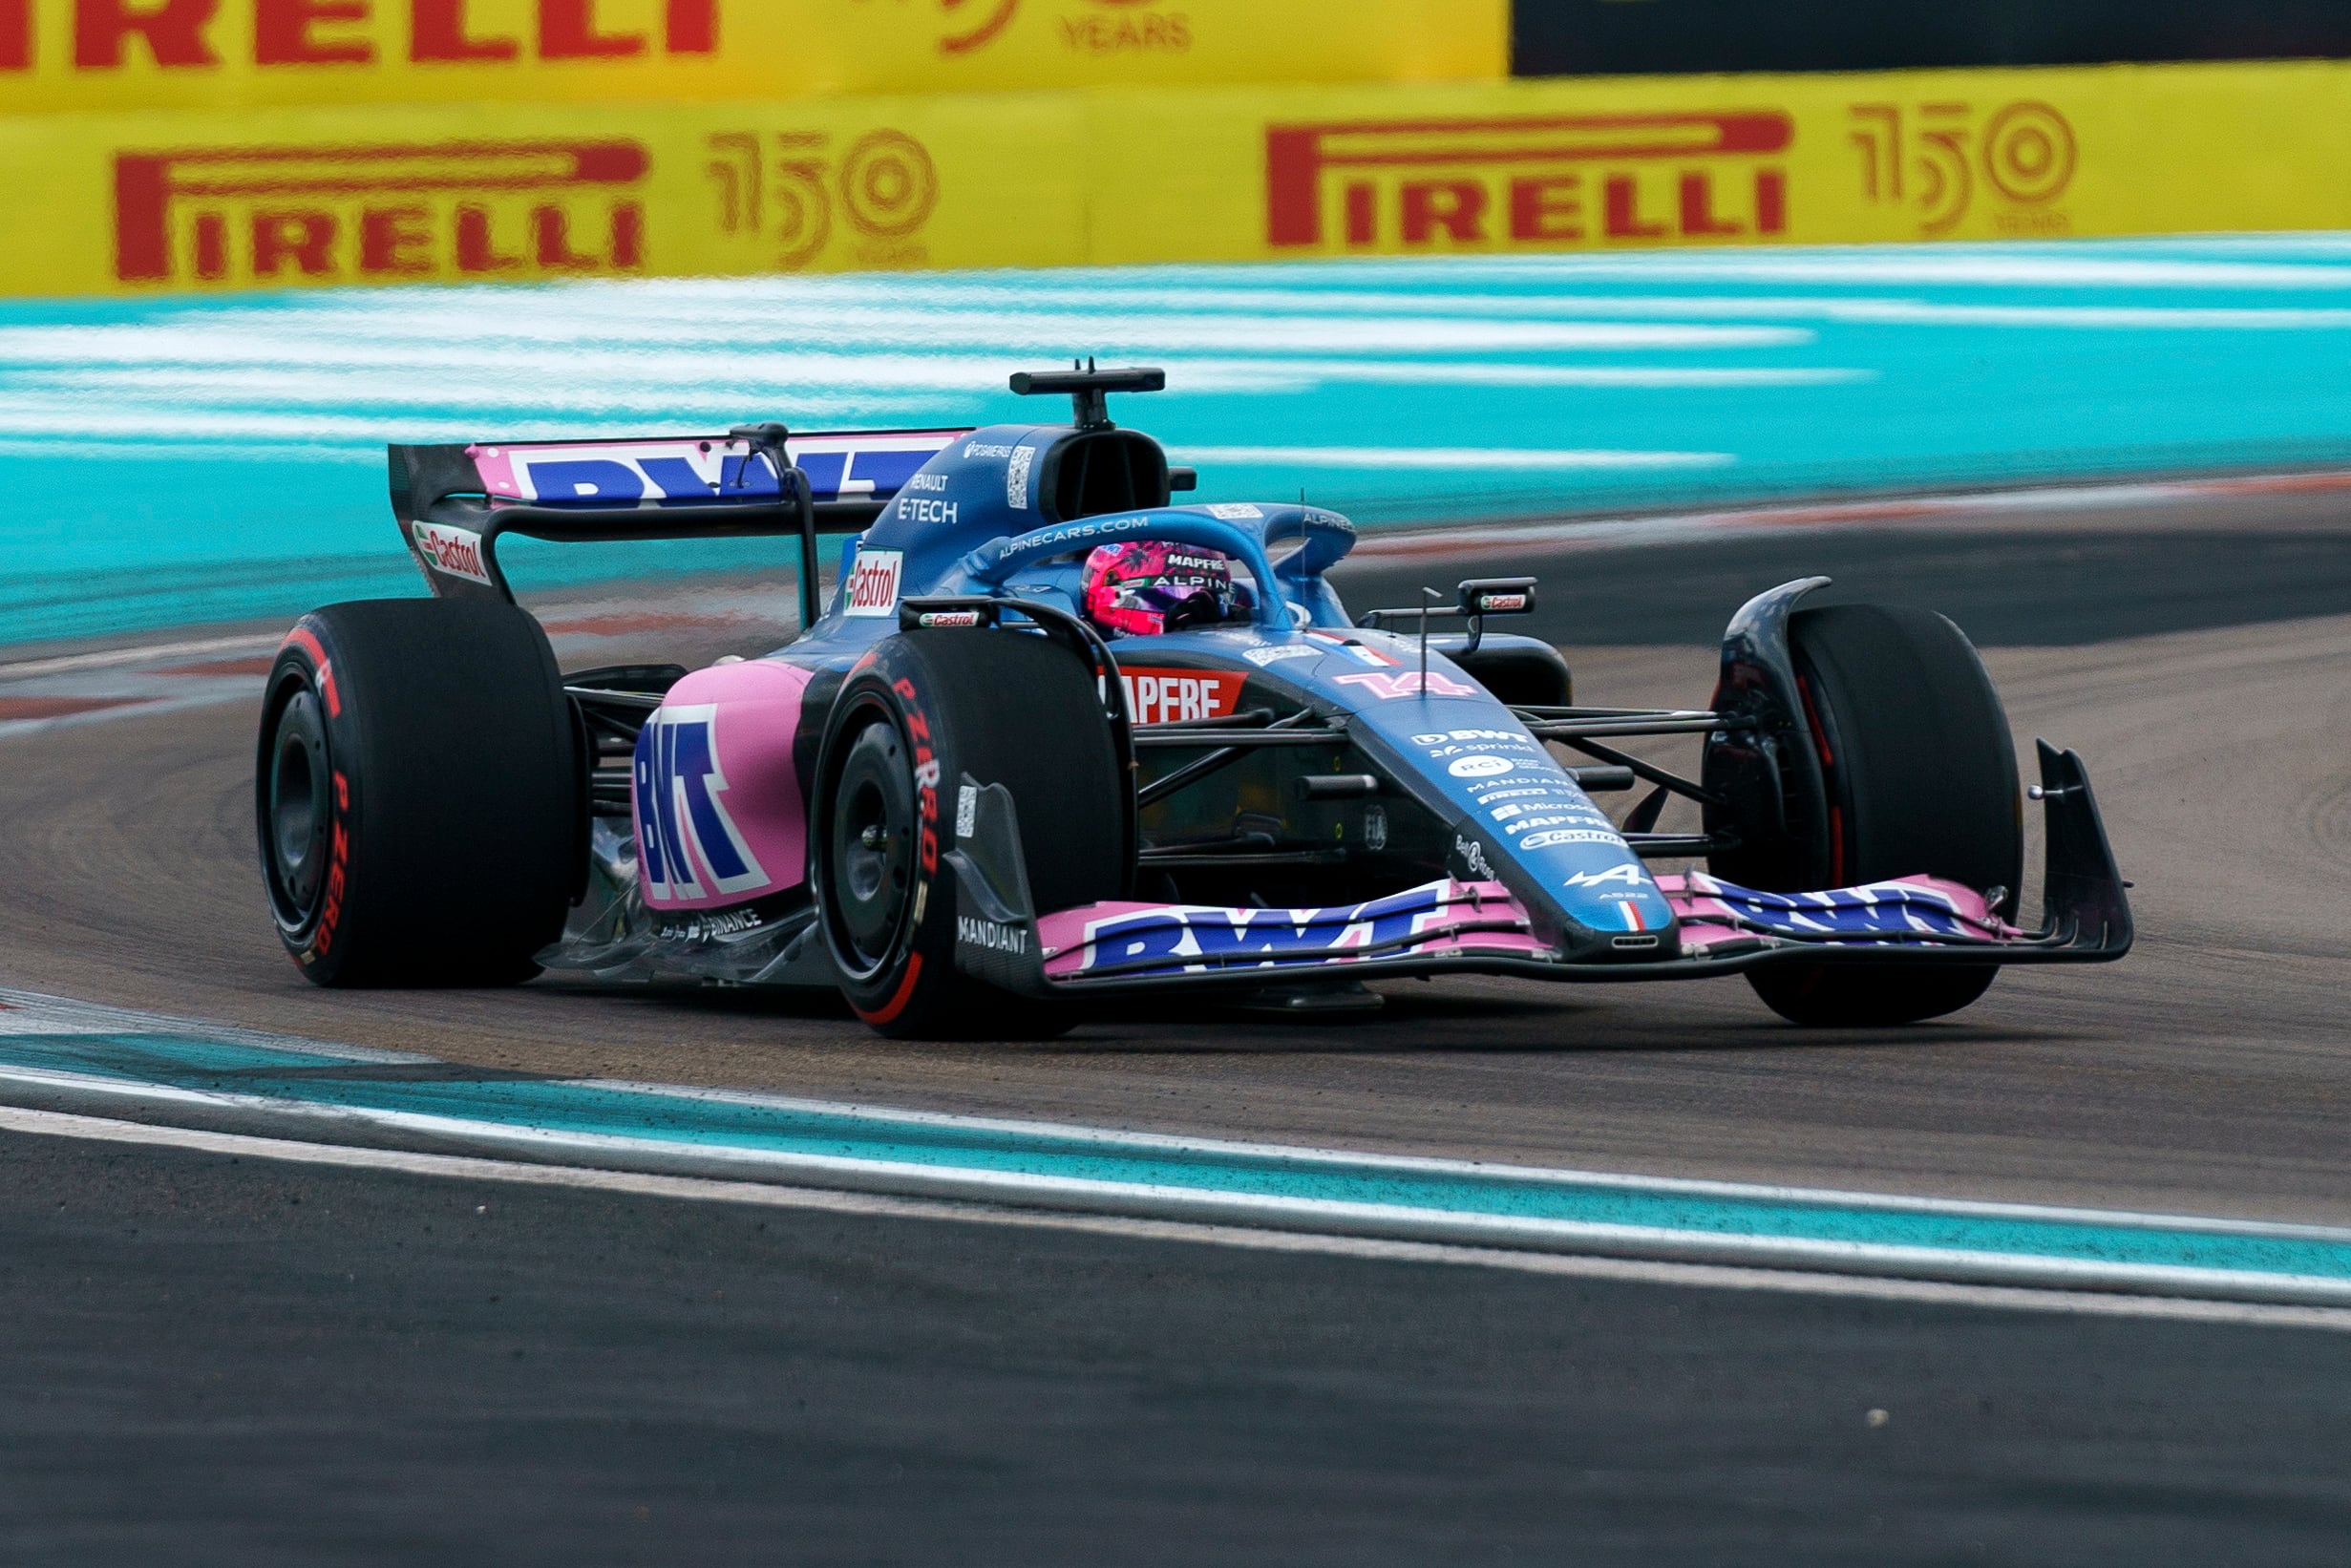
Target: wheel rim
(874,836)
(300,812)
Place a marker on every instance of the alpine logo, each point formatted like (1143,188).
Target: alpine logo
(453,552)
(873,585)
(688,846)
(1629,874)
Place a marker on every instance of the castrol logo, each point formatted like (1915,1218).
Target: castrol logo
(873,584)
(453,552)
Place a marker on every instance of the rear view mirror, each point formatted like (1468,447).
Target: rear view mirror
(1482,596)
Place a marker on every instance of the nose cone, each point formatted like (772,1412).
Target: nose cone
(1518,818)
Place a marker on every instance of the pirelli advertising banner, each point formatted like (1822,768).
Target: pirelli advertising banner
(140,55)
(291,197)
(1620,162)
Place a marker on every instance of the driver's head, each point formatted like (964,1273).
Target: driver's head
(1151,586)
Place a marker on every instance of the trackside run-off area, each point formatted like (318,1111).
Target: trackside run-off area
(2151,1264)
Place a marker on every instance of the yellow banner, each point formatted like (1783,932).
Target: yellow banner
(283,197)
(140,55)
(288,197)
(1636,162)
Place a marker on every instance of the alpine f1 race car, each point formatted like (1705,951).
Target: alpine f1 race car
(1055,739)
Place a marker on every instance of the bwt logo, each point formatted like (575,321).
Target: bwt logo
(472,210)
(1529,179)
(688,846)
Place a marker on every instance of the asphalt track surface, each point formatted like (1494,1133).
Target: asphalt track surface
(203,1369)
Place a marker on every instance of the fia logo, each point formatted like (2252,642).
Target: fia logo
(687,847)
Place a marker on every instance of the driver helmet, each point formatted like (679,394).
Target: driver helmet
(1151,586)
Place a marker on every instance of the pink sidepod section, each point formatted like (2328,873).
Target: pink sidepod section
(717,805)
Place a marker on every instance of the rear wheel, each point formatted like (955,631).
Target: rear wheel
(1920,778)
(931,707)
(418,793)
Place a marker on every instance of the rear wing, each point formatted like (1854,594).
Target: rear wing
(454,502)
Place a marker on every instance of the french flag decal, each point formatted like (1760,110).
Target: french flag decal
(1632,916)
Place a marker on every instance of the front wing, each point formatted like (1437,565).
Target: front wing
(1450,926)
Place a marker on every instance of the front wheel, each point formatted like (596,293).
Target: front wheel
(1920,778)
(926,710)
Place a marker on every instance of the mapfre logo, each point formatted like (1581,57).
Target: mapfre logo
(1527,179)
(1100,27)
(455,209)
(1179,696)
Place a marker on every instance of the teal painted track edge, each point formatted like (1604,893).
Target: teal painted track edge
(189,459)
(805,1143)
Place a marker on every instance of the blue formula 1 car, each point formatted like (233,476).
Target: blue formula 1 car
(1055,739)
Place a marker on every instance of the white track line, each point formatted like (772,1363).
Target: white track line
(1214,1207)
(698,1189)
(36,1012)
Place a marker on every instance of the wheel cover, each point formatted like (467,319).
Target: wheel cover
(871,855)
(300,814)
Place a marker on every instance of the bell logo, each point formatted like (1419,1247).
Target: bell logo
(455,209)
(1528,180)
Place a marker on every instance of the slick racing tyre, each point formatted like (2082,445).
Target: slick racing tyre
(418,794)
(1920,778)
(925,710)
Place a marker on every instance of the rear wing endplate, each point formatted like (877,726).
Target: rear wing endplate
(454,502)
